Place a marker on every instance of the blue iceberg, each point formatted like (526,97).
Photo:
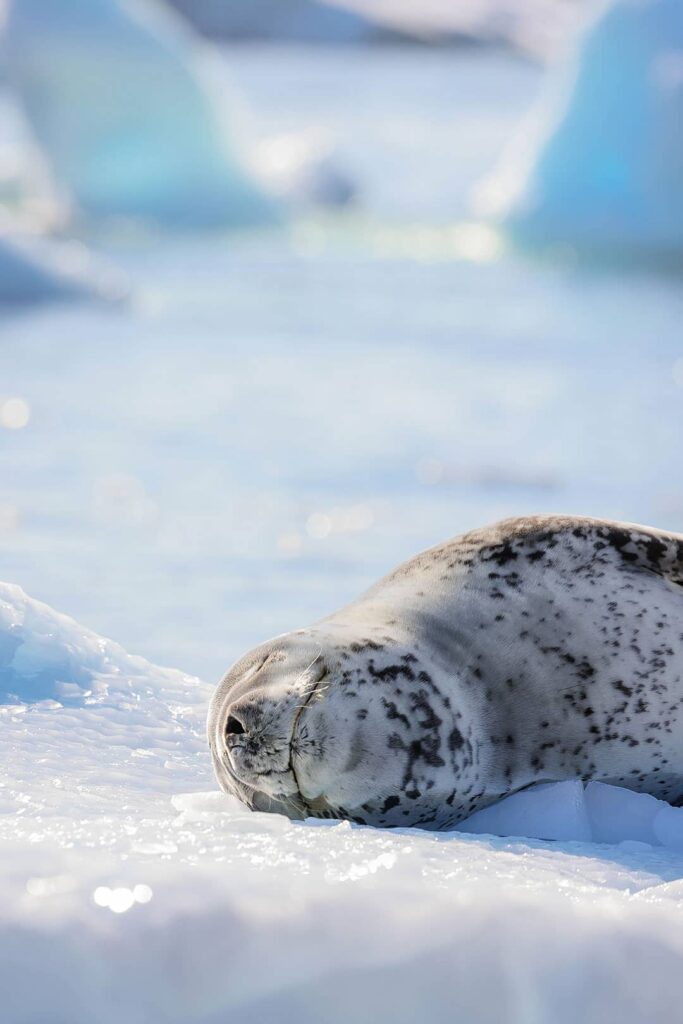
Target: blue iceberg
(602,169)
(115,95)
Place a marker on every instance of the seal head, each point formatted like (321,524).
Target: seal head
(323,723)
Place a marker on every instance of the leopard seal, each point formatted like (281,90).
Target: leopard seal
(538,649)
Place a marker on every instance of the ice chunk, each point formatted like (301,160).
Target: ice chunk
(601,814)
(116,97)
(195,806)
(668,826)
(549,811)
(600,168)
(618,814)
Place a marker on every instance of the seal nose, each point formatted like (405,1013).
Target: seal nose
(236,731)
(234,727)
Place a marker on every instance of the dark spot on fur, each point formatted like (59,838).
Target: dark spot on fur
(391,801)
(455,740)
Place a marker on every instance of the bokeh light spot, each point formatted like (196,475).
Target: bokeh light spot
(14,413)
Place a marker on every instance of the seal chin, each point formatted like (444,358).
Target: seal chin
(257,799)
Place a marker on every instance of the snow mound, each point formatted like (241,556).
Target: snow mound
(600,168)
(46,656)
(35,270)
(116,96)
(124,872)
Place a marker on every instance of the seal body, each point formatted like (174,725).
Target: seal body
(535,650)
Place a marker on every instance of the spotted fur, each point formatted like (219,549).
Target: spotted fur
(538,649)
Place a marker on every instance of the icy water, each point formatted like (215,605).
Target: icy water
(273,421)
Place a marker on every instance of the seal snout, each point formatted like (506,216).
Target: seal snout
(254,719)
(233,727)
(256,737)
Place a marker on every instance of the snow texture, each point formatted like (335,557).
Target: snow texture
(120,102)
(600,165)
(133,890)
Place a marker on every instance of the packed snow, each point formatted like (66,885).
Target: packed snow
(132,889)
(131,122)
(599,166)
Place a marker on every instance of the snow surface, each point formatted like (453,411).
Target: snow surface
(131,889)
(600,165)
(122,106)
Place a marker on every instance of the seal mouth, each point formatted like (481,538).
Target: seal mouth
(290,804)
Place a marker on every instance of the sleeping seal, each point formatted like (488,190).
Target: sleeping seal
(535,650)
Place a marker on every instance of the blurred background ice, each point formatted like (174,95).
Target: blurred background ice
(600,166)
(275,416)
(336,280)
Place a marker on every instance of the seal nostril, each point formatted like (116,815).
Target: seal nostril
(233,727)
